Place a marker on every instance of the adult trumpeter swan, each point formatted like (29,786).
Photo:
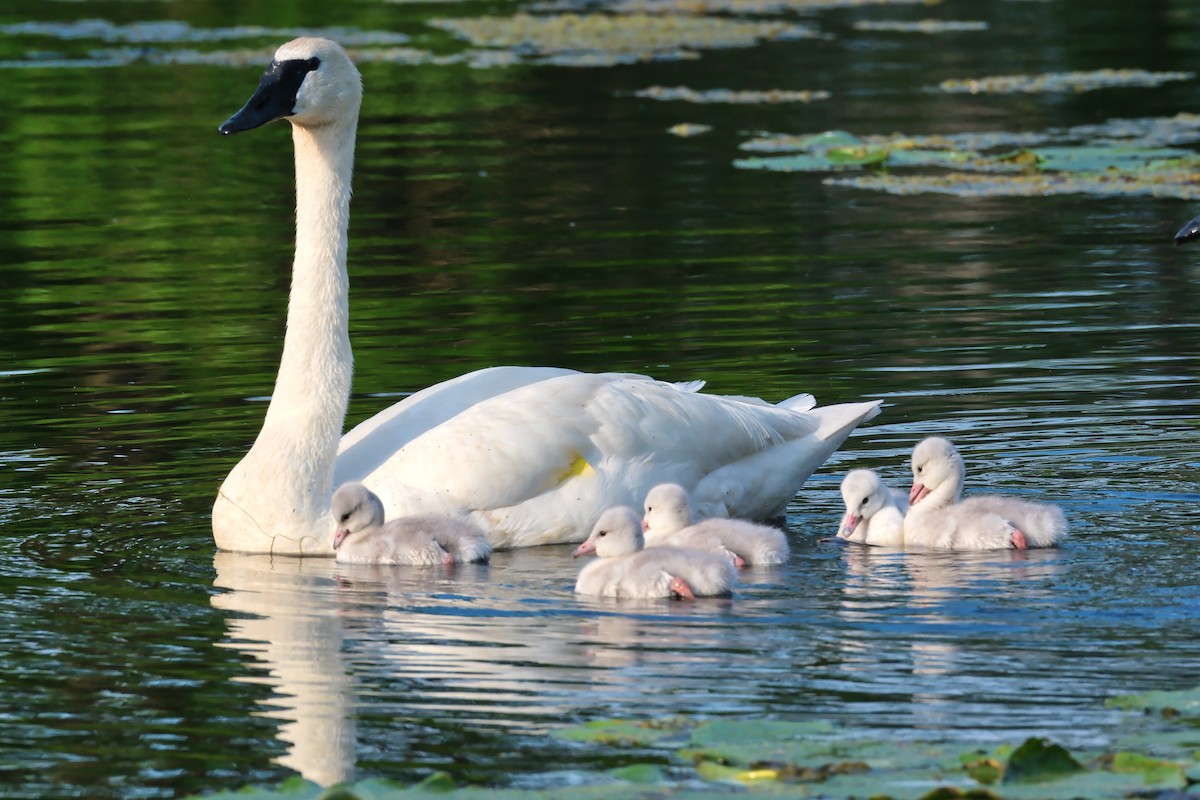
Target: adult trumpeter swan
(937,518)
(532,455)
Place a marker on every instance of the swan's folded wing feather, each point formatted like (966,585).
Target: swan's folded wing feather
(521,444)
(373,441)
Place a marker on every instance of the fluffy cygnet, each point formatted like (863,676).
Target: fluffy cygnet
(874,513)
(937,518)
(668,522)
(361,537)
(624,569)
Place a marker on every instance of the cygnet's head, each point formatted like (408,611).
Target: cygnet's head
(311,82)
(355,508)
(864,494)
(618,532)
(668,508)
(934,462)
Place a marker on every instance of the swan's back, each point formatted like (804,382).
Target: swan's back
(1043,524)
(396,543)
(754,543)
(957,527)
(649,573)
(465,542)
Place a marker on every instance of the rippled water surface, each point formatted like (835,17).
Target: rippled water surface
(541,214)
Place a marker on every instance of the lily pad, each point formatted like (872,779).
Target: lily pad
(1038,761)
(1185,702)
(1062,81)
(604,39)
(624,733)
(922,26)
(732,96)
(739,7)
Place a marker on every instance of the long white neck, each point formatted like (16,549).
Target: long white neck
(315,370)
(280,491)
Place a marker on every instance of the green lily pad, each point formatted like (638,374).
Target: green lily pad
(639,773)
(623,733)
(921,26)
(1185,702)
(731,96)
(1062,81)
(604,39)
(1037,761)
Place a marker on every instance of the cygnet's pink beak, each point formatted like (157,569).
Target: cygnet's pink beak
(645,526)
(584,549)
(338,536)
(849,523)
(917,493)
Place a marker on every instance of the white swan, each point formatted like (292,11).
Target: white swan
(531,455)
(937,518)
(361,537)
(874,513)
(624,569)
(668,522)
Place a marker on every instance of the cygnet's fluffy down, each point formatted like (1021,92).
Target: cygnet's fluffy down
(624,569)
(937,518)
(874,513)
(361,537)
(668,522)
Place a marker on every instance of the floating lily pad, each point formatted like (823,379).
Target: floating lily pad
(173,31)
(1038,761)
(1185,703)
(686,129)
(1126,157)
(604,39)
(624,733)
(1062,81)
(744,7)
(733,96)
(922,26)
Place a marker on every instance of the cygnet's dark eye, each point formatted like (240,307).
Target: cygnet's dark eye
(601,533)
(345,516)
(865,501)
(919,470)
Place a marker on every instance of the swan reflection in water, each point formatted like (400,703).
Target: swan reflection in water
(501,648)
(952,620)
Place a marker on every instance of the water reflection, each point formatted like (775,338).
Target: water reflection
(285,618)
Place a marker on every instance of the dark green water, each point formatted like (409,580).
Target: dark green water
(542,215)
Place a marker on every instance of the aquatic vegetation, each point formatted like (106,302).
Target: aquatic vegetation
(605,39)
(174,31)
(1062,81)
(780,758)
(750,7)
(1122,157)
(921,26)
(686,129)
(732,96)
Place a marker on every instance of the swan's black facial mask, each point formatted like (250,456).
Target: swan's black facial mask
(275,96)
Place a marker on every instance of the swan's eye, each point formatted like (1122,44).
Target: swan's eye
(865,501)
(345,516)
(919,470)
(649,509)
(601,533)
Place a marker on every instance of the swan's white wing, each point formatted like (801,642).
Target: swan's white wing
(539,463)
(375,440)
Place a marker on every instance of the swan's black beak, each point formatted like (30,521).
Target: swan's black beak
(1189,232)
(275,97)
